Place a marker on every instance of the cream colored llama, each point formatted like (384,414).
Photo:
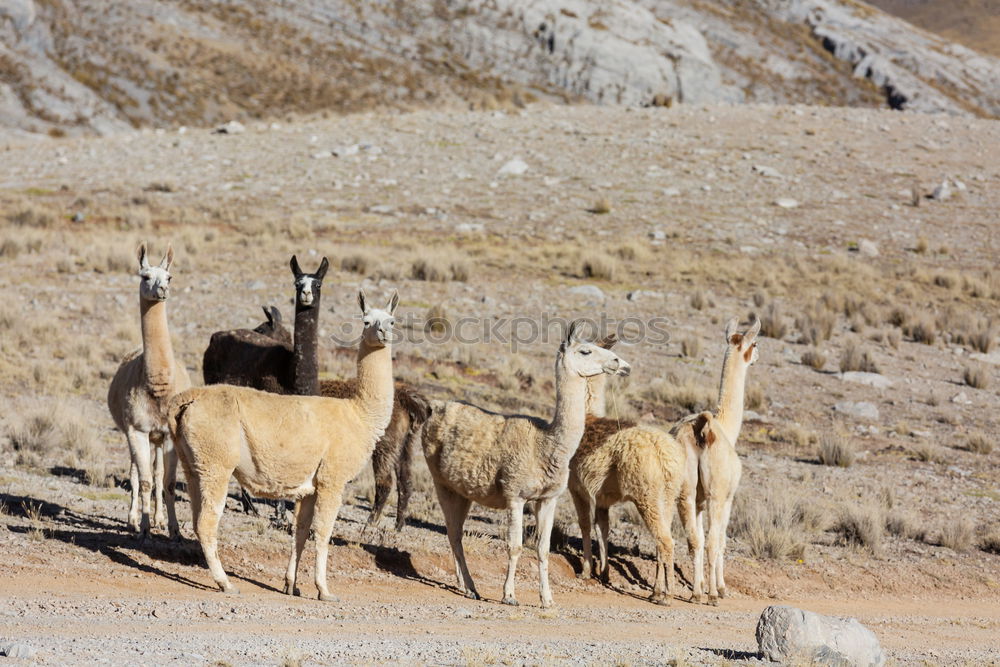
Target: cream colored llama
(713,467)
(138,396)
(304,448)
(503,461)
(619,462)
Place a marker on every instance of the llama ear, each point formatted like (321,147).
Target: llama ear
(573,332)
(393,302)
(168,259)
(361,301)
(731,327)
(296,271)
(323,266)
(751,335)
(141,254)
(275,316)
(608,341)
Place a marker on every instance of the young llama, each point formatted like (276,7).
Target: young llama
(713,465)
(304,448)
(138,396)
(503,461)
(619,462)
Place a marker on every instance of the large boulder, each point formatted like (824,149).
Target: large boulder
(786,634)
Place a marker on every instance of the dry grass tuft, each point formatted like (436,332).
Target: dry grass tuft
(772,321)
(978,443)
(861,527)
(976,377)
(357,263)
(754,398)
(688,393)
(894,338)
(769,527)
(946,280)
(991,543)
(836,450)
(854,358)
(958,534)
(796,435)
(439,269)
(691,347)
(600,266)
(45,437)
(977,334)
(816,326)
(31,215)
(602,206)
(813,359)
(925,452)
(921,329)
(904,524)
(700,301)
(436,320)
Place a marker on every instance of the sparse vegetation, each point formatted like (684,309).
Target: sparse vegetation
(813,358)
(836,450)
(599,266)
(978,443)
(691,347)
(856,358)
(976,377)
(772,321)
(957,534)
(861,527)
(357,263)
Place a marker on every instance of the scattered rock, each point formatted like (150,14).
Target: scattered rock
(592,291)
(868,248)
(658,235)
(382,209)
(876,380)
(514,167)
(787,635)
(256,285)
(18,650)
(751,416)
(942,192)
(321,155)
(232,127)
(638,294)
(345,151)
(767,172)
(786,202)
(961,398)
(858,409)
(670,192)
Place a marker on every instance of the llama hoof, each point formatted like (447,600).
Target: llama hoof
(328,597)
(291,589)
(472,595)
(509,600)
(713,600)
(722,591)
(697,599)
(547,604)
(230,590)
(661,600)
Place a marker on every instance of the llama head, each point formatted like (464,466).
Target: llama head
(274,325)
(585,359)
(377,322)
(307,285)
(742,347)
(155,280)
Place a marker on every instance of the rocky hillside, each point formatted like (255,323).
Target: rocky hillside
(974,23)
(99,66)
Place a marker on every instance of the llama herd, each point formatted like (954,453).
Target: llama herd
(265,418)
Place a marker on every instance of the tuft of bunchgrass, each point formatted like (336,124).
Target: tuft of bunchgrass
(836,450)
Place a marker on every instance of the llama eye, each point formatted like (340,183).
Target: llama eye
(584,351)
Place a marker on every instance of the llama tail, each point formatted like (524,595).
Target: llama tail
(416,405)
(704,429)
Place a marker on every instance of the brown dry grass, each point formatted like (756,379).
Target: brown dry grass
(836,450)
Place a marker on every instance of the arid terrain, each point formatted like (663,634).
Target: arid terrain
(822,221)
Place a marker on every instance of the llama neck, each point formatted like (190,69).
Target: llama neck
(730,410)
(596,404)
(157,352)
(375,386)
(304,348)
(568,423)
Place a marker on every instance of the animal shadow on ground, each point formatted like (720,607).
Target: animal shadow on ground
(104,535)
(731,654)
(396,562)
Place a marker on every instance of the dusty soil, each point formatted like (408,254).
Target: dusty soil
(692,212)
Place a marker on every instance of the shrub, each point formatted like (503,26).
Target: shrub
(957,534)
(976,377)
(814,359)
(928,453)
(10,248)
(599,266)
(772,321)
(921,330)
(699,300)
(691,347)
(816,326)
(768,526)
(436,320)
(431,270)
(688,393)
(991,543)
(978,443)
(861,526)
(946,280)
(854,358)
(30,215)
(903,524)
(356,263)
(459,270)
(836,450)
(754,398)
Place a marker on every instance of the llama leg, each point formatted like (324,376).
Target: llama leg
(159,517)
(658,524)
(585,517)
(170,488)
(546,512)
(604,524)
(325,514)
(515,537)
(212,502)
(713,543)
(138,443)
(383,465)
(688,510)
(303,520)
(404,481)
(721,565)
(455,509)
(133,508)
